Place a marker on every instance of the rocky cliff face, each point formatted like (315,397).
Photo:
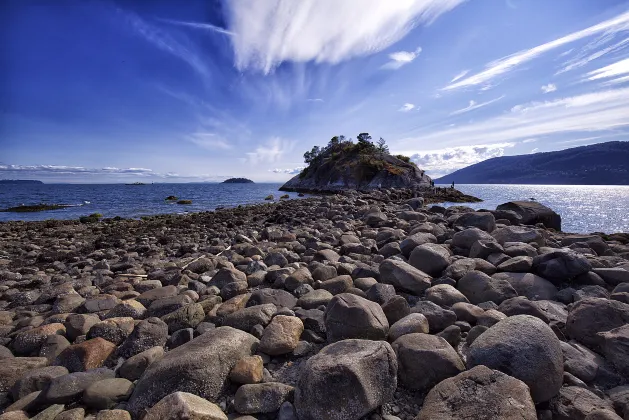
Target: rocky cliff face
(336,171)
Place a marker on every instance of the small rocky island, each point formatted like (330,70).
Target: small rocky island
(238,181)
(364,166)
(20,181)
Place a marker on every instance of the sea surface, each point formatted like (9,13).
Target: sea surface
(583,209)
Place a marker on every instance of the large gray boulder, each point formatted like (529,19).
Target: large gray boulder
(429,258)
(351,316)
(529,285)
(425,360)
(615,348)
(148,333)
(466,238)
(517,234)
(589,317)
(526,348)
(404,276)
(532,213)
(481,394)
(481,220)
(575,403)
(478,287)
(561,265)
(183,405)
(200,367)
(346,380)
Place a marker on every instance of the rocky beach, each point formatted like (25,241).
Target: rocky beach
(372,305)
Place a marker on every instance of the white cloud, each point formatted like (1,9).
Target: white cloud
(529,140)
(549,88)
(199,25)
(62,169)
(459,76)
(440,162)
(473,105)
(211,141)
(593,51)
(407,107)
(535,150)
(271,152)
(293,171)
(401,58)
(315,100)
(593,112)
(269,32)
(506,64)
(618,71)
(165,42)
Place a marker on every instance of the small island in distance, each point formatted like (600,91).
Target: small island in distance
(20,181)
(238,181)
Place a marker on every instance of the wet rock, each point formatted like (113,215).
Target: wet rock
(35,380)
(346,380)
(527,349)
(69,388)
(479,393)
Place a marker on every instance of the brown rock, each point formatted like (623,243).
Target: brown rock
(87,355)
(248,370)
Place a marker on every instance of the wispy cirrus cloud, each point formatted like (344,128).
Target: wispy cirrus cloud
(474,105)
(267,33)
(459,76)
(166,42)
(504,65)
(401,58)
(601,111)
(441,162)
(549,88)
(199,25)
(63,169)
(210,141)
(617,72)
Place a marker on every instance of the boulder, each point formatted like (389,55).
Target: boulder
(183,405)
(429,258)
(589,317)
(200,366)
(615,348)
(148,333)
(525,348)
(134,366)
(478,287)
(187,317)
(404,276)
(262,398)
(314,299)
(246,318)
(561,265)
(445,295)
(517,234)
(466,238)
(69,388)
(412,323)
(107,393)
(281,336)
(36,380)
(90,354)
(580,361)
(346,380)
(575,403)
(248,370)
(114,330)
(351,316)
(415,240)
(532,212)
(277,297)
(425,360)
(480,393)
(28,342)
(438,318)
(481,220)
(529,285)
(13,369)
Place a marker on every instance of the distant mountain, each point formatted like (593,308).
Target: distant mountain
(238,181)
(598,164)
(19,181)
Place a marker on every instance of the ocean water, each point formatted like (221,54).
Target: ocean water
(583,209)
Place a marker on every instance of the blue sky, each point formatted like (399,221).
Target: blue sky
(177,91)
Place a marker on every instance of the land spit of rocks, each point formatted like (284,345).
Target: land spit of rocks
(353,306)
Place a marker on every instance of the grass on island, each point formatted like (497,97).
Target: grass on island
(92,218)
(35,207)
